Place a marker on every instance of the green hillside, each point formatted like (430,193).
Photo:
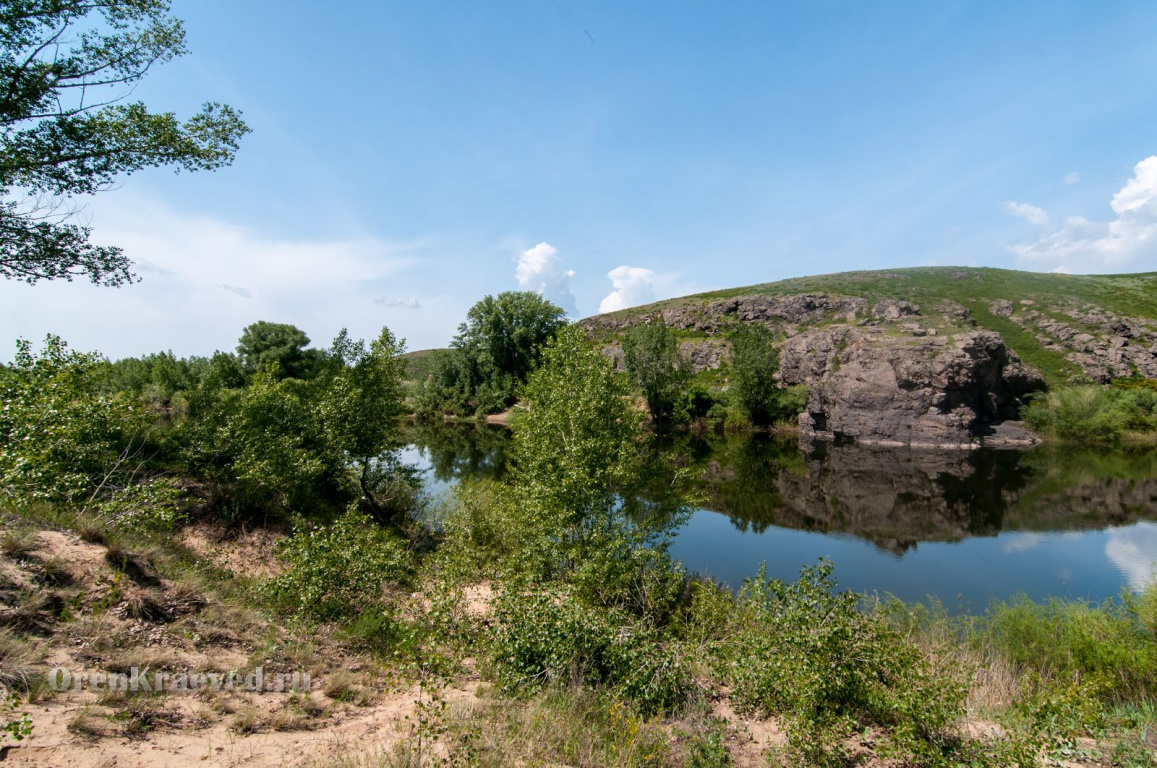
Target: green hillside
(1133,295)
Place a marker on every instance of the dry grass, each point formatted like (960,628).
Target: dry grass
(18,543)
(91,724)
(17,661)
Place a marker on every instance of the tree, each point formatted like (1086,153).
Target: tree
(508,331)
(651,355)
(575,451)
(495,350)
(65,68)
(263,342)
(754,363)
(360,404)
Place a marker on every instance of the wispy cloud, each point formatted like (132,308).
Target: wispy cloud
(1029,213)
(1124,243)
(399,302)
(244,293)
(194,265)
(540,270)
(1072,178)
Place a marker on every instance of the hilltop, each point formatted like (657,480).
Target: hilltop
(1033,312)
(932,356)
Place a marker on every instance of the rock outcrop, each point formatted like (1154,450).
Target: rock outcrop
(1105,346)
(892,390)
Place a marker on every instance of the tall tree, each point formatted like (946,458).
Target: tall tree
(66,66)
(509,330)
(652,358)
(263,342)
(754,363)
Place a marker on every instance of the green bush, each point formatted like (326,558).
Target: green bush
(1075,639)
(804,651)
(62,439)
(550,636)
(1093,413)
(337,571)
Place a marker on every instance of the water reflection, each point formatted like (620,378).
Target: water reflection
(963,526)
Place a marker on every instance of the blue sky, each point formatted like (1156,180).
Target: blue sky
(408,158)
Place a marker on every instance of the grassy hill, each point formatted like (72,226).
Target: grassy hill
(1133,295)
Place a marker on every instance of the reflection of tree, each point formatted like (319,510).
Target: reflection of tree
(461,451)
(741,474)
(894,498)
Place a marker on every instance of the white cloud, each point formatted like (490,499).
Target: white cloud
(540,270)
(1084,246)
(244,293)
(633,286)
(402,302)
(1072,178)
(204,279)
(1133,551)
(1029,213)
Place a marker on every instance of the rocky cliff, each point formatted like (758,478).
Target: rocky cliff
(924,357)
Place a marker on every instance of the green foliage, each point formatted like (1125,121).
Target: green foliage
(62,440)
(805,652)
(508,332)
(339,570)
(653,360)
(495,350)
(1135,383)
(576,451)
(156,504)
(63,66)
(14,725)
(265,346)
(551,636)
(300,445)
(1093,413)
(754,366)
(1069,640)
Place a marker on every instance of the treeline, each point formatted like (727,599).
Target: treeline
(275,429)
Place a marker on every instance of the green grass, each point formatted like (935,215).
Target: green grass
(419,363)
(974,288)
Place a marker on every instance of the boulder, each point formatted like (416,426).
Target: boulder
(932,391)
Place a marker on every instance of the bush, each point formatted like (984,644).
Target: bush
(62,440)
(549,636)
(804,651)
(1093,413)
(337,571)
(1068,640)
(653,361)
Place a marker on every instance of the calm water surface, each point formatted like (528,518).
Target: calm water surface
(962,527)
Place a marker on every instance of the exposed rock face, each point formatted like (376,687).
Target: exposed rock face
(798,309)
(892,390)
(1105,346)
(886,375)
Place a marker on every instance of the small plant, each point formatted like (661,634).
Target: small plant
(339,570)
(549,636)
(14,725)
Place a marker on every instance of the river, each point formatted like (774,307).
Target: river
(960,527)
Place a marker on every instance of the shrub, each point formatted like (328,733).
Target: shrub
(653,361)
(62,440)
(338,570)
(804,651)
(550,636)
(1075,639)
(1093,413)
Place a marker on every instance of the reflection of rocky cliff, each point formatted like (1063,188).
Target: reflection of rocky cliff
(897,498)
